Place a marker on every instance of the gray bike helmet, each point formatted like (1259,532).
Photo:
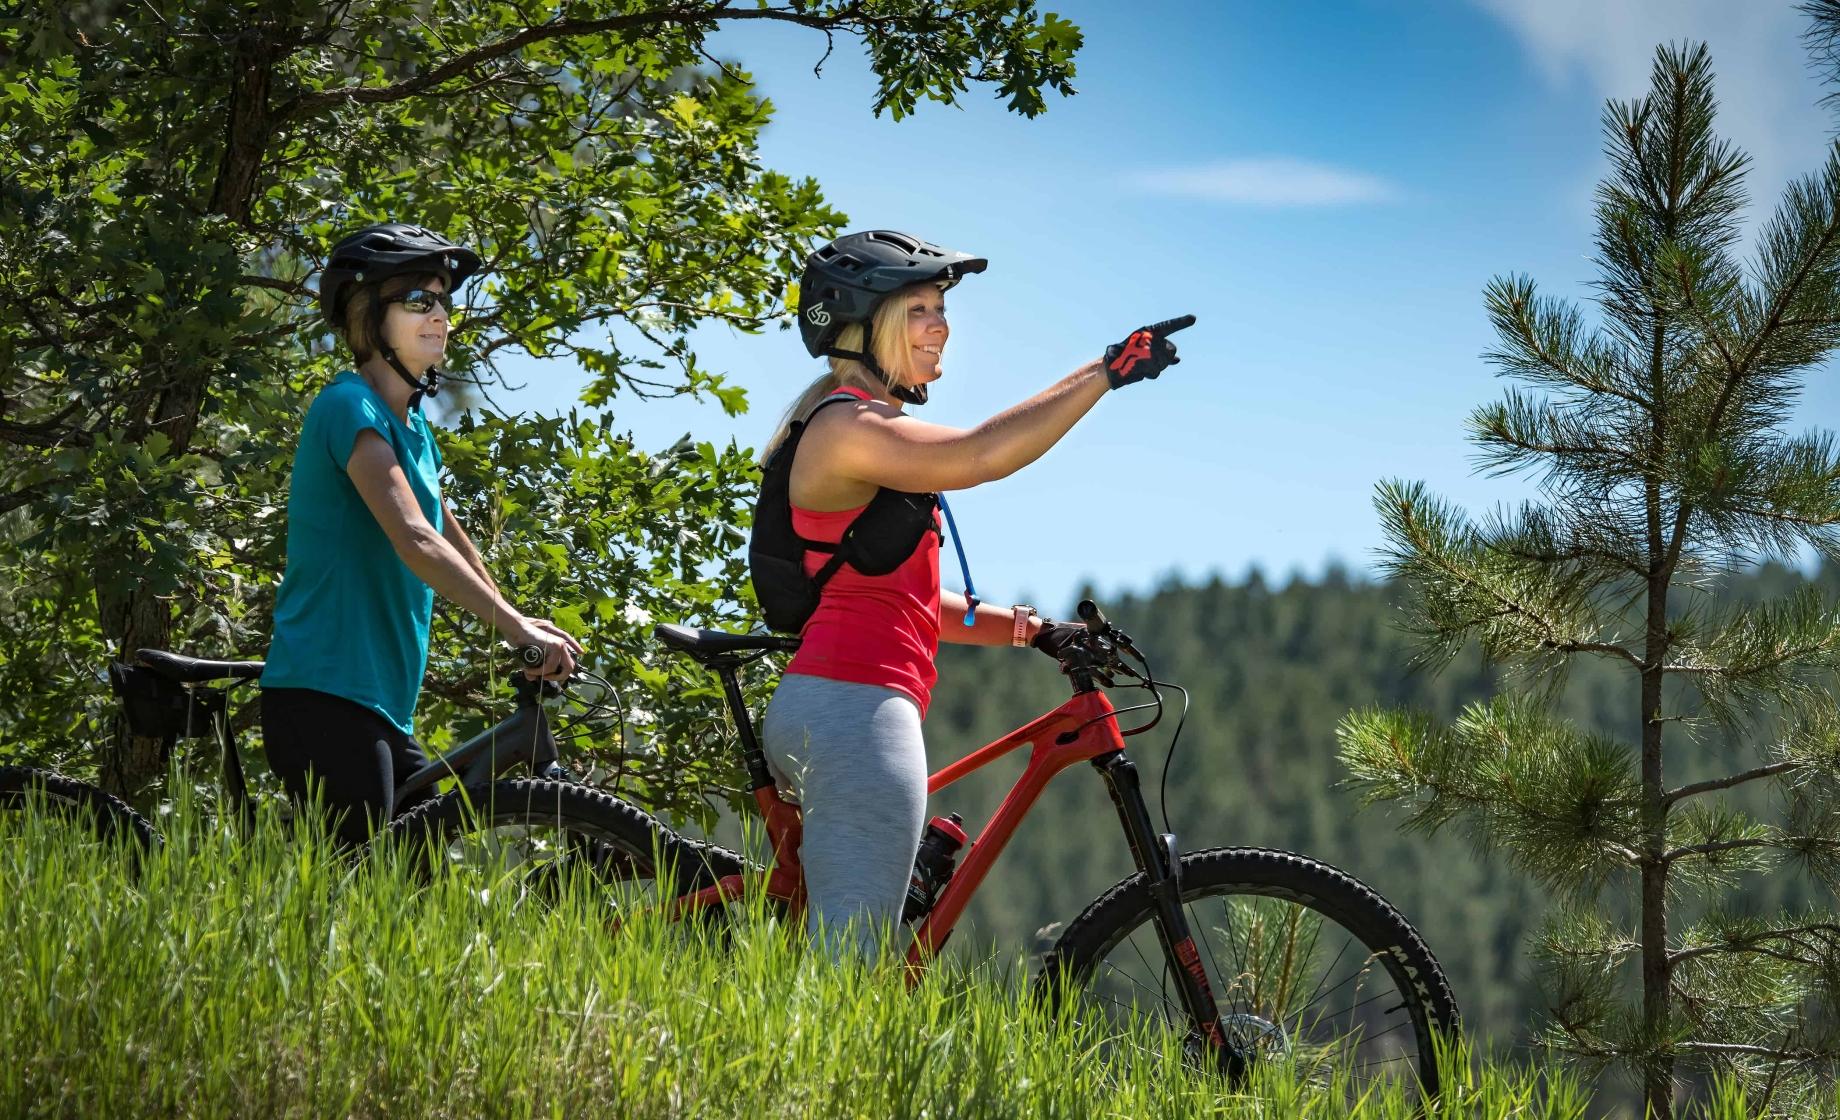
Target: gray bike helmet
(845,280)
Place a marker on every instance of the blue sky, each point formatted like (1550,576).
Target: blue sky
(1328,186)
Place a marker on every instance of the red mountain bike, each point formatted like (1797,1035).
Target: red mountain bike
(1250,955)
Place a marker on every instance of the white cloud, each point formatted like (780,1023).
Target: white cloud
(1271,181)
(1767,94)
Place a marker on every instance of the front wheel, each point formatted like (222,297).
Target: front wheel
(541,834)
(1312,971)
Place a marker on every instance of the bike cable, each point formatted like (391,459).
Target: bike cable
(1122,644)
(1151,683)
(599,706)
(1169,756)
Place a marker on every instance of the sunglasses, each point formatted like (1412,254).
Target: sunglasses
(421,301)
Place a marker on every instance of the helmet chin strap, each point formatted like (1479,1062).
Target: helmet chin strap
(912,394)
(428,384)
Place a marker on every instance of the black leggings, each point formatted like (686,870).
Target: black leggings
(355,756)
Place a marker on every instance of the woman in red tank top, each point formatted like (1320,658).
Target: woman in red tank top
(843,729)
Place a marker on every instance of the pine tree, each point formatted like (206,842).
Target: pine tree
(1654,433)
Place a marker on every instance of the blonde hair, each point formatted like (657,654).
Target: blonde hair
(889,337)
(362,331)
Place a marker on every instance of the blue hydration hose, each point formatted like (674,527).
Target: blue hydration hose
(958,546)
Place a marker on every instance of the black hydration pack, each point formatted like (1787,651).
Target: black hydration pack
(876,542)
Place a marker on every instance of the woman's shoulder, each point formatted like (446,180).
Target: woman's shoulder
(346,397)
(850,405)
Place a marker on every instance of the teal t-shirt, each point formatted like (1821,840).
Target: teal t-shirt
(351,619)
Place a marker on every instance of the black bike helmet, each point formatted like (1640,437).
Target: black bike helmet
(378,252)
(845,280)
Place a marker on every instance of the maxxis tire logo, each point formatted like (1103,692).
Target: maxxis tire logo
(818,316)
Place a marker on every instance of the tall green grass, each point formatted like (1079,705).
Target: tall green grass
(262,975)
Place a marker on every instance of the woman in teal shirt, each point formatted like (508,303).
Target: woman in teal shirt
(370,539)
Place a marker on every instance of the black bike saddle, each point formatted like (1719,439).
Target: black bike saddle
(192,670)
(704,645)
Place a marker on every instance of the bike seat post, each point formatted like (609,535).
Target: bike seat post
(752,755)
(234,782)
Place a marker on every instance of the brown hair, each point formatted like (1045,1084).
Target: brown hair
(889,335)
(361,319)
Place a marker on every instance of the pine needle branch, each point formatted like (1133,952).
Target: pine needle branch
(1809,255)
(1826,932)
(1712,785)
(1468,584)
(1518,429)
(1721,846)
(1545,340)
(1610,648)
(1572,553)
(1773,652)
(1796,1055)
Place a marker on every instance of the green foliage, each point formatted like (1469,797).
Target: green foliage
(170,175)
(566,511)
(1559,803)
(1653,436)
(265,975)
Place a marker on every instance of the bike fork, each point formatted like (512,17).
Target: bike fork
(1161,866)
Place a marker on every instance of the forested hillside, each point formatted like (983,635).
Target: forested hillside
(1271,670)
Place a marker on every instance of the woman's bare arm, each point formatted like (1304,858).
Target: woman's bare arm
(878,444)
(991,626)
(380,481)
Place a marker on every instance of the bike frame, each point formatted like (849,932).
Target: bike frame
(1081,730)
(1084,729)
(521,739)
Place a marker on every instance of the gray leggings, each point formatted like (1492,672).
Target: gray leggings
(852,756)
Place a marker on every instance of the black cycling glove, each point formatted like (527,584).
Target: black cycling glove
(1146,353)
(1054,637)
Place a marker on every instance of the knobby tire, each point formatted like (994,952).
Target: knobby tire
(623,839)
(1230,896)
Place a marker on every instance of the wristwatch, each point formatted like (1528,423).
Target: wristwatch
(1020,636)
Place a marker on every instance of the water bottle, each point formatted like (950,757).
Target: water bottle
(933,864)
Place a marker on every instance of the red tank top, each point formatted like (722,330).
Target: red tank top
(880,630)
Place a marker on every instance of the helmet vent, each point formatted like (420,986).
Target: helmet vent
(848,263)
(886,237)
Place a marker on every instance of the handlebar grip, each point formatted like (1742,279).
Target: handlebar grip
(1171,326)
(530,656)
(1092,616)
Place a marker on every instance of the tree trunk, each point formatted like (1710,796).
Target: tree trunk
(247,129)
(137,618)
(1658,1063)
(141,620)
(1658,1060)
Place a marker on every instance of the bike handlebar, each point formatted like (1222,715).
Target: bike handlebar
(532,657)
(1099,650)
(1101,627)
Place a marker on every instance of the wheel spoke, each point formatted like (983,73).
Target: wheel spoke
(1328,972)
(1293,982)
